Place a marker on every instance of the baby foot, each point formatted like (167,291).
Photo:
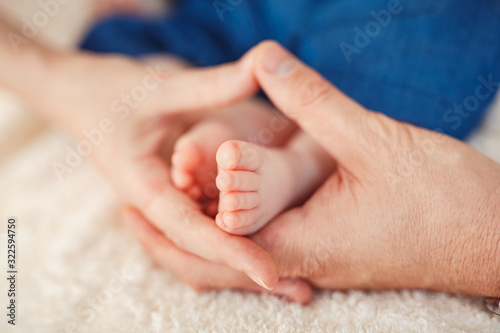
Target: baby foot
(258,183)
(194,167)
(193,161)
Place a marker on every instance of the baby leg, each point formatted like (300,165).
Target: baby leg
(258,183)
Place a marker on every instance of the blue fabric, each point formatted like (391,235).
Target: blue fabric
(432,63)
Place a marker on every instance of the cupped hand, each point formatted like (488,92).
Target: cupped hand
(406,207)
(147,109)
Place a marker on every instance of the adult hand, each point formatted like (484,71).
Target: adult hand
(137,113)
(406,207)
(127,116)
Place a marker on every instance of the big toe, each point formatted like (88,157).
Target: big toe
(239,155)
(187,155)
(295,290)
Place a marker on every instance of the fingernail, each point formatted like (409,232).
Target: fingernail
(258,280)
(277,61)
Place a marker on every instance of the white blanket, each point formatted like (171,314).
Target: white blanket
(81,270)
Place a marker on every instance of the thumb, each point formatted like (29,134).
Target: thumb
(331,118)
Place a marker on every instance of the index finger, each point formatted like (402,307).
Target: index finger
(178,217)
(200,273)
(200,89)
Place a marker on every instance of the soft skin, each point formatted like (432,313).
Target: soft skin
(436,227)
(405,208)
(77,90)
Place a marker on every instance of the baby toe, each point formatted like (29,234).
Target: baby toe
(239,155)
(237,222)
(181,179)
(241,181)
(187,155)
(234,201)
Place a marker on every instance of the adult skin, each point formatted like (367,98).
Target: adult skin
(447,238)
(77,91)
(406,207)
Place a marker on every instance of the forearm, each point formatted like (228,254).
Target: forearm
(73,89)
(28,69)
(64,87)
(22,60)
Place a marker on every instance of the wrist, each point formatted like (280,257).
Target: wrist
(71,89)
(474,265)
(33,73)
(493,245)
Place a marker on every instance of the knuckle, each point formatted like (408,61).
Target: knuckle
(312,91)
(378,135)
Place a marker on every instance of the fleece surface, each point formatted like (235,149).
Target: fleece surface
(81,270)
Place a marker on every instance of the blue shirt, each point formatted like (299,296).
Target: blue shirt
(432,63)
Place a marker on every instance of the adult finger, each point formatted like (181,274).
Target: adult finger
(201,274)
(208,88)
(181,220)
(325,113)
